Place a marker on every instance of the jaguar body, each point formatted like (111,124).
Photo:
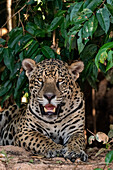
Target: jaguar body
(53,121)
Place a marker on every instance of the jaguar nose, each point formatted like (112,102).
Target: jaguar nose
(49,96)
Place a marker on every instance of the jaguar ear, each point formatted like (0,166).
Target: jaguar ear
(76,68)
(28,65)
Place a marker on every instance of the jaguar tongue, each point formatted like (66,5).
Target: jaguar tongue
(49,108)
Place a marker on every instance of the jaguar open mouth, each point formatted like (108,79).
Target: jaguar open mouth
(50,110)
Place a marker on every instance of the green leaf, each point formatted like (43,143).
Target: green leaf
(32,48)
(30,2)
(82,17)
(92,5)
(8,58)
(55,23)
(103,19)
(103,49)
(2,41)
(31,28)
(39,58)
(8,94)
(88,52)
(110,8)
(21,80)
(48,52)
(16,69)
(1,54)
(40,33)
(23,43)
(110,133)
(107,45)
(90,27)
(21,56)
(4,74)
(109,157)
(75,9)
(110,2)
(15,35)
(110,60)
(98,169)
(31,160)
(59,4)
(103,57)
(79,42)
(5,88)
(60,13)
(28,43)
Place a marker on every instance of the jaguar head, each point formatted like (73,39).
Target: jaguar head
(50,82)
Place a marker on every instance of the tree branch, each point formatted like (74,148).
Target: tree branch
(14,14)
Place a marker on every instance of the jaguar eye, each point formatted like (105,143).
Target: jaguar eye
(40,79)
(60,80)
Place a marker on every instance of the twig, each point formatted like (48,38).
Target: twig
(20,21)
(14,15)
(93,110)
(102,4)
(110,141)
(91,132)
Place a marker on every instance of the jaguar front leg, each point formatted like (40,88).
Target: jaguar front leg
(75,148)
(38,144)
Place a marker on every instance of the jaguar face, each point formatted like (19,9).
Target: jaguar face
(50,83)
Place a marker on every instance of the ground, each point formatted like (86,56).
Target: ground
(16,158)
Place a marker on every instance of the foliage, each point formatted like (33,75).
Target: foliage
(82,30)
(107,140)
(108,160)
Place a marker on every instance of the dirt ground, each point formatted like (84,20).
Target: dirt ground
(16,158)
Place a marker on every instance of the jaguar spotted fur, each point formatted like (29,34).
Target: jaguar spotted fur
(53,121)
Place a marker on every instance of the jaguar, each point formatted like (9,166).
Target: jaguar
(53,122)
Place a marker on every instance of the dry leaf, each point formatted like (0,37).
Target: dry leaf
(102,137)
(2,155)
(100,151)
(111,126)
(91,139)
(110,133)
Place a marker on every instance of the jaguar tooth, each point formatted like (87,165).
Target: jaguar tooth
(45,109)
(54,109)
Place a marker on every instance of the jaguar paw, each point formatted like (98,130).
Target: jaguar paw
(72,156)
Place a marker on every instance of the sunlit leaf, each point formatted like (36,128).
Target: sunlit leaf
(110,60)
(79,42)
(103,49)
(110,2)
(90,27)
(32,48)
